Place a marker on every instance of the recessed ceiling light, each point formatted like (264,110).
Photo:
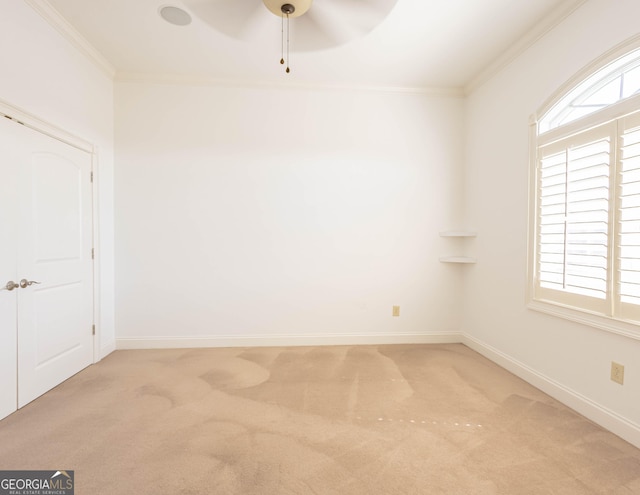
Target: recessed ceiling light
(174,15)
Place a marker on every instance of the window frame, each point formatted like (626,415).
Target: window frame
(608,316)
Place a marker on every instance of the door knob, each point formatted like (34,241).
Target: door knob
(24,283)
(10,286)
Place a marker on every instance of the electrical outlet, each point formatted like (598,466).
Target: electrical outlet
(395,311)
(617,373)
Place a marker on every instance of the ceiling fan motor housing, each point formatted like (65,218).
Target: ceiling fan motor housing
(293,8)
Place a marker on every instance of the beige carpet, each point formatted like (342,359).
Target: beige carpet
(352,420)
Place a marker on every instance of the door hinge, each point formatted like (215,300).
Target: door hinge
(93,329)
(92,176)
(93,253)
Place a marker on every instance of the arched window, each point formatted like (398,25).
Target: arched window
(585,211)
(614,82)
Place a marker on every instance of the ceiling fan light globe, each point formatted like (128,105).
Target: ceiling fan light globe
(300,6)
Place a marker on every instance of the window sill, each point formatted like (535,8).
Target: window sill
(607,324)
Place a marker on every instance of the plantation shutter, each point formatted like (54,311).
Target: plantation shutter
(628,260)
(574,176)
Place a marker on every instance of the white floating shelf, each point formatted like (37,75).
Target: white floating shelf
(457,259)
(458,233)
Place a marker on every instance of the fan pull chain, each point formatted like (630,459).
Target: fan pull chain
(287,44)
(286,9)
(282,40)
(282,48)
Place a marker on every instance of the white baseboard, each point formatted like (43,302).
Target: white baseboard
(106,349)
(284,340)
(624,428)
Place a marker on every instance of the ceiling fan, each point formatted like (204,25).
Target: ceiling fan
(319,24)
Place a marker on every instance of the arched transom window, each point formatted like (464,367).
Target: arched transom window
(614,82)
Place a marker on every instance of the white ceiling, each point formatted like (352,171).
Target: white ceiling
(419,44)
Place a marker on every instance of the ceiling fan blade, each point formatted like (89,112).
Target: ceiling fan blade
(327,24)
(331,23)
(234,18)
(372,10)
(316,30)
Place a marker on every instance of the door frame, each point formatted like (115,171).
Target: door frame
(20,116)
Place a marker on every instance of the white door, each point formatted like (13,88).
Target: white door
(53,225)
(8,274)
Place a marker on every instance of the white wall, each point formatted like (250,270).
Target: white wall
(251,216)
(44,75)
(568,360)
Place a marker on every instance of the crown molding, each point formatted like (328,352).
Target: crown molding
(60,24)
(189,80)
(550,21)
